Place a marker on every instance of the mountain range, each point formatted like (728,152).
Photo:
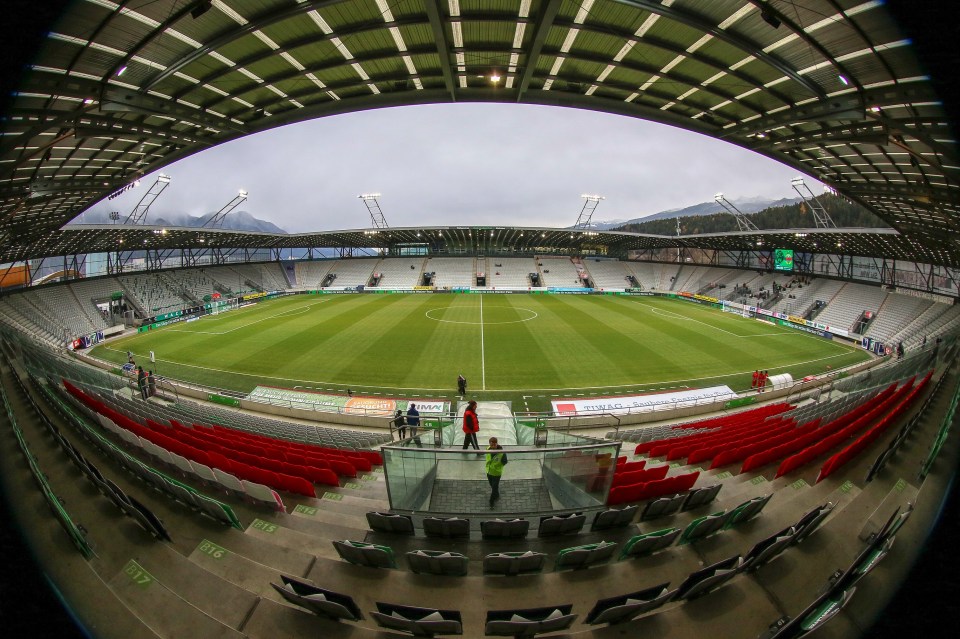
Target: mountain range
(745,204)
(235,221)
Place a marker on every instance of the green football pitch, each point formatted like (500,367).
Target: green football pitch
(524,348)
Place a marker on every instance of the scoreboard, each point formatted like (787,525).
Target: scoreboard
(783,259)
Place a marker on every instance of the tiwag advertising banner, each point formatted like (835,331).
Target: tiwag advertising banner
(643,403)
(349,404)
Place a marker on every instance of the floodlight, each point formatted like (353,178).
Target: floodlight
(770,19)
(121,71)
(844,80)
(718,197)
(243,193)
(797,181)
(163,178)
(368,196)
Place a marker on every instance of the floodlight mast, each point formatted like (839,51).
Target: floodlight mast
(821,219)
(591,202)
(139,213)
(743,222)
(216,221)
(373,208)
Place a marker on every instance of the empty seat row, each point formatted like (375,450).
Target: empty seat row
(456,527)
(529,622)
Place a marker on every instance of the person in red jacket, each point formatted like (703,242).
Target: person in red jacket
(756,379)
(471,425)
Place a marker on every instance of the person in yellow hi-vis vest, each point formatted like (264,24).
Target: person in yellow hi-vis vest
(495,463)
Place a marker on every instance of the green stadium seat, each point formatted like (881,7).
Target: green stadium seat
(703,527)
(364,554)
(747,510)
(649,543)
(579,557)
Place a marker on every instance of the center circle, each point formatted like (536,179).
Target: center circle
(533,315)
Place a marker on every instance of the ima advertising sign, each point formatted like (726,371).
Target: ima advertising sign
(643,403)
(349,404)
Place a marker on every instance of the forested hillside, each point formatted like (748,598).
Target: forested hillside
(844,213)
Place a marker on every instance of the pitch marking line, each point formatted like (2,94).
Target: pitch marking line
(295,311)
(421,390)
(483,366)
(446,321)
(672,315)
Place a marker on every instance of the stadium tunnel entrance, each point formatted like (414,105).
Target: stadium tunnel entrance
(547,471)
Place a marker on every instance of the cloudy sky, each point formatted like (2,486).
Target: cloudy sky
(491,164)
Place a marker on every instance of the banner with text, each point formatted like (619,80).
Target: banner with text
(355,404)
(643,403)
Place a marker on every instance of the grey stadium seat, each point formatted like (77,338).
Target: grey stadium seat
(709,579)
(561,524)
(435,562)
(390,522)
(324,603)
(700,496)
(423,622)
(504,529)
(446,527)
(585,556)
(623,608)
(529,622)
(513,563)
(614,518)
(662,507)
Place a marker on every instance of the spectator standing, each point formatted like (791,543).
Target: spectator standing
(413,419)
(399,424)
(151,384)
(471,426)
(461,385)
(494,467)
(756,378)
(142,382)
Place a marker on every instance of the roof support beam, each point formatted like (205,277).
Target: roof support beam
(443,48)
(150,37)
(544,23)
(766,6)
(849,106)
(255,24)
(700,24)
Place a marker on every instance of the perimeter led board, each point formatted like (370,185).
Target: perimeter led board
(783,260)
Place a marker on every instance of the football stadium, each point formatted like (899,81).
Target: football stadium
(215,432)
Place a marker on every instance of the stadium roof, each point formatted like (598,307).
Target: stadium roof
(77,239)
(830,87)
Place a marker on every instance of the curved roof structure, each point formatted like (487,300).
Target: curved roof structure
(830,87)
